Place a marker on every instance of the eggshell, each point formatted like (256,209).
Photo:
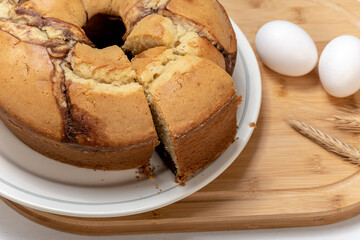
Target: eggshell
(339,66)
(286,48)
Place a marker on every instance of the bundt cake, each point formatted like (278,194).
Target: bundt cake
(97,84)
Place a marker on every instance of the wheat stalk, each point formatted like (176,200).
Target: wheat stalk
(348,119)
(328,142)
(349,123)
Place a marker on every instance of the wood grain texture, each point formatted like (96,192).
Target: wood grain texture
(281,179)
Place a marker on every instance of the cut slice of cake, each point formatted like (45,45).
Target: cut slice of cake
(194,107)
(108,109)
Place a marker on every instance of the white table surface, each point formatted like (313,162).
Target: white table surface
(13,226)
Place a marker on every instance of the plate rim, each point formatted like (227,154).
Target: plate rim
(243,45)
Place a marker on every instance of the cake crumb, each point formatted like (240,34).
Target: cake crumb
(237,138)
(180,181)
(253,125)
(157,186)
(147,170)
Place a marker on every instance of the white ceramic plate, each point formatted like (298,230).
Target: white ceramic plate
(28,178)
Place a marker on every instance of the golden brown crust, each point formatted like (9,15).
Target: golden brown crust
(187,99)
(219,31)
(97,7)
(206,50)
(62,19)
(216,134)
(152,31)
(72,11)
(132,11)
(202,15)
(120,158)
(110,119)
(26,89)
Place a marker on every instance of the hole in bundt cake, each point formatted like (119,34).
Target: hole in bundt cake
(104,30)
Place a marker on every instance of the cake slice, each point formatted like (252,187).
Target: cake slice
(108,109)
(194,107)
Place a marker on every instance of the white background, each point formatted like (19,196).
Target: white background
(16,227)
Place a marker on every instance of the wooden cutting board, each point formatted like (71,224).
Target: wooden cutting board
(281,179)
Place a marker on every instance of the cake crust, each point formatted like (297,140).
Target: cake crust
(26,91)
(189,92)
(218,30)
(104,158)
(216,134)
(109,119)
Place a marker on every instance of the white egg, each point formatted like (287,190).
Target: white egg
(339,66)
(286,48)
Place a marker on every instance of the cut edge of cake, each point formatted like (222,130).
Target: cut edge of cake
(147,69)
